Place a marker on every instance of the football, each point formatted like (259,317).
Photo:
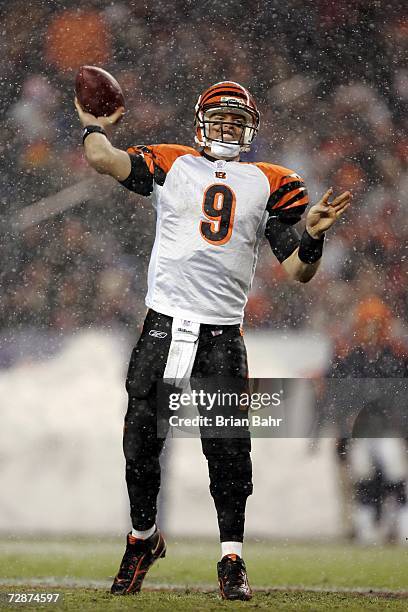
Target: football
(97,91)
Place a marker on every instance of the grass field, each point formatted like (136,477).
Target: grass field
(284,576)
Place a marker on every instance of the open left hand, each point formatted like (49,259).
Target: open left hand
(322,215)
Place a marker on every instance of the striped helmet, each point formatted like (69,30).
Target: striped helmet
(231,97)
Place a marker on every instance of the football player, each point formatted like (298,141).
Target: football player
(212,212)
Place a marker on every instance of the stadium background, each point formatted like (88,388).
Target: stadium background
(332,88)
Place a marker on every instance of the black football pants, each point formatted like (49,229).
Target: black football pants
(229,462)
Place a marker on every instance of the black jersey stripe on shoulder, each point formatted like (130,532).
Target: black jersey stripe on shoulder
(282,191)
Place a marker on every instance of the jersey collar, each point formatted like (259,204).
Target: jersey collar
(214,159)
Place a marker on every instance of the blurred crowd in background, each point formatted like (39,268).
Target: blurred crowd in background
(332,87)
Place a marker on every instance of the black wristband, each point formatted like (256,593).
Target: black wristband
(310,249)
(90,129)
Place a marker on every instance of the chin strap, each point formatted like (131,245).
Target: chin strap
(225,149)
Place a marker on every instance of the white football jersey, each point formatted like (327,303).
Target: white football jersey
(211,217)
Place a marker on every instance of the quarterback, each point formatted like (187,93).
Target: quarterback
(212,212)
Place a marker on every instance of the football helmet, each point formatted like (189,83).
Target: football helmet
(226,97)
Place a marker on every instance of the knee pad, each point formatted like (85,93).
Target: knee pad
(140,431)
(230,476)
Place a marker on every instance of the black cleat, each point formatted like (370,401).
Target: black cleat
(138,558)
(232,578)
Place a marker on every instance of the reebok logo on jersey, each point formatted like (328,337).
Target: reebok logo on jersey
(157,334)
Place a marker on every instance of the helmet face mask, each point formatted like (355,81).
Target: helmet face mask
(226,98)
(244,121)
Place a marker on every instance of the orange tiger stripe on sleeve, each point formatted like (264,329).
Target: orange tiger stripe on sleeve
(162,155)
(288,190)
(145,152)
(297,196)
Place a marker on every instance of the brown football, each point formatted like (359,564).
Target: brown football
(98,92)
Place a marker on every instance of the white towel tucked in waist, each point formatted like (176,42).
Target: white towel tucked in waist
(183,349)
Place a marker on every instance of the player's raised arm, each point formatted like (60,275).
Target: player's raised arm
(99,152)
(303,263)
